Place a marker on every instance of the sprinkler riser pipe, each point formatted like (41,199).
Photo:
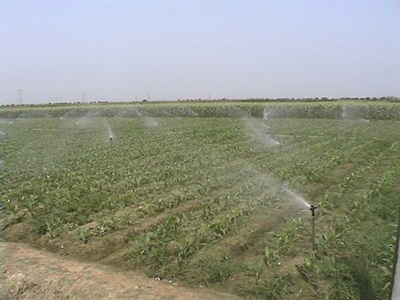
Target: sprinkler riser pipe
(312,209)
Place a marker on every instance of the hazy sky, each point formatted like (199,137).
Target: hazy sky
(122,50)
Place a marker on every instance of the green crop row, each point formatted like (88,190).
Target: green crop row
(310,110)
(205,200)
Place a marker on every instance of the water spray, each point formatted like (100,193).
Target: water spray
(312,209)
(305,204)
(110,135)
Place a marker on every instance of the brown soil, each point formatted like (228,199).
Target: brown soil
(27,273)
(342,170)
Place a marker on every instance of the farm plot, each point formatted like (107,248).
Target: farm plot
(211,201)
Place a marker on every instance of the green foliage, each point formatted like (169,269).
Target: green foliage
(201,199)
(367,110)
(277,287)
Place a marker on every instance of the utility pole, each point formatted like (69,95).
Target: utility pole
(148,97)
(83,96)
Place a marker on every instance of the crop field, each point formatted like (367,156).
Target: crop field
(212,199)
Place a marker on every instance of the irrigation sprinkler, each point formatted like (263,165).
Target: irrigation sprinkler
(110,135)
(312,209)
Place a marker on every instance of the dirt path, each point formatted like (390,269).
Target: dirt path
(27,273)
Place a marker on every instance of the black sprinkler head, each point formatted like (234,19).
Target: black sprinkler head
(313,208)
